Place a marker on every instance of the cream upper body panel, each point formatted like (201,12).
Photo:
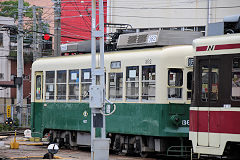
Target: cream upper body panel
(163,58)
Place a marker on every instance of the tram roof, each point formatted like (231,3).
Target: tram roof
(229,43)
(127,56)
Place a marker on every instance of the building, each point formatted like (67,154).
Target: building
(5,63)
(144,15)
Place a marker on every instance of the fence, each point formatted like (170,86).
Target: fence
(9,109)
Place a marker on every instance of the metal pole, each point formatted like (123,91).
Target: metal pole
(99,145)
(101,41)
(57,27)
(34,34)
(20,60)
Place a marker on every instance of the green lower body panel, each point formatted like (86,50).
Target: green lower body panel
(164,120)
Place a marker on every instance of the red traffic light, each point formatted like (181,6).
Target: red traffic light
(46,36)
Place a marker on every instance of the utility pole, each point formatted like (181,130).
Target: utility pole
(40,40)
(57,27)
(20,68)
(100,145)
(35,54)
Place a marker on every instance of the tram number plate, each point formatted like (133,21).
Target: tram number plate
(185,122)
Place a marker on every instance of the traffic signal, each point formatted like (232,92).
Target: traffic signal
(9,121)
(46,43)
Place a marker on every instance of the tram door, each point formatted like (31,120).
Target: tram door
(38,97)
(209,102)
(38,86)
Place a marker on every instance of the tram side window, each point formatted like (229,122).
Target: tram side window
(148,83)
(175,82)
(115,86)
(85,83)
(204,79)
(50,76)
(214,83)
(132,83)
(61,84)
(73,85)
(38,87)
(189,85)
(236,79)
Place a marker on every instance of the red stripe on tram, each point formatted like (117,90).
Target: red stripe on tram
(227,46)
(219,121)
(218,47)
(201,48)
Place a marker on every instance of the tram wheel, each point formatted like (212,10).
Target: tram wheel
(144,154)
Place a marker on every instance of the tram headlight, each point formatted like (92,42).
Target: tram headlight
(176,119)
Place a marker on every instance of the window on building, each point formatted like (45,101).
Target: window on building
(148,83)
(115,86)
(132,83)
(50,77)
(175,82)
(86,80)
(236,79)
(1,39)
(61,84)
(73,85)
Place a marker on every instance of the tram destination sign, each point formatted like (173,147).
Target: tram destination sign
(190,62)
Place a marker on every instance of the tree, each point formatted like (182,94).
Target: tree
(10,9)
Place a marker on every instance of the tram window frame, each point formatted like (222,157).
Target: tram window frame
(210,88)
(148,83)
(50,85)
(132,83)
(175,88)
(86,81)
(116,86)
(61,84)
(73,84)
(235,79)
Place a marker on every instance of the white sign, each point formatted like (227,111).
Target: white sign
(63,47)
(51,87)
(132,73)
(27,133)
(73,76)
(108,108)
(152,39)
(47,95)
(86,75)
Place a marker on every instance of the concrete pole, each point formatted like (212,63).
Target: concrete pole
(57,27)
(20,60)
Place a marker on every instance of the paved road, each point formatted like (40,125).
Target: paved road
(31,150)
